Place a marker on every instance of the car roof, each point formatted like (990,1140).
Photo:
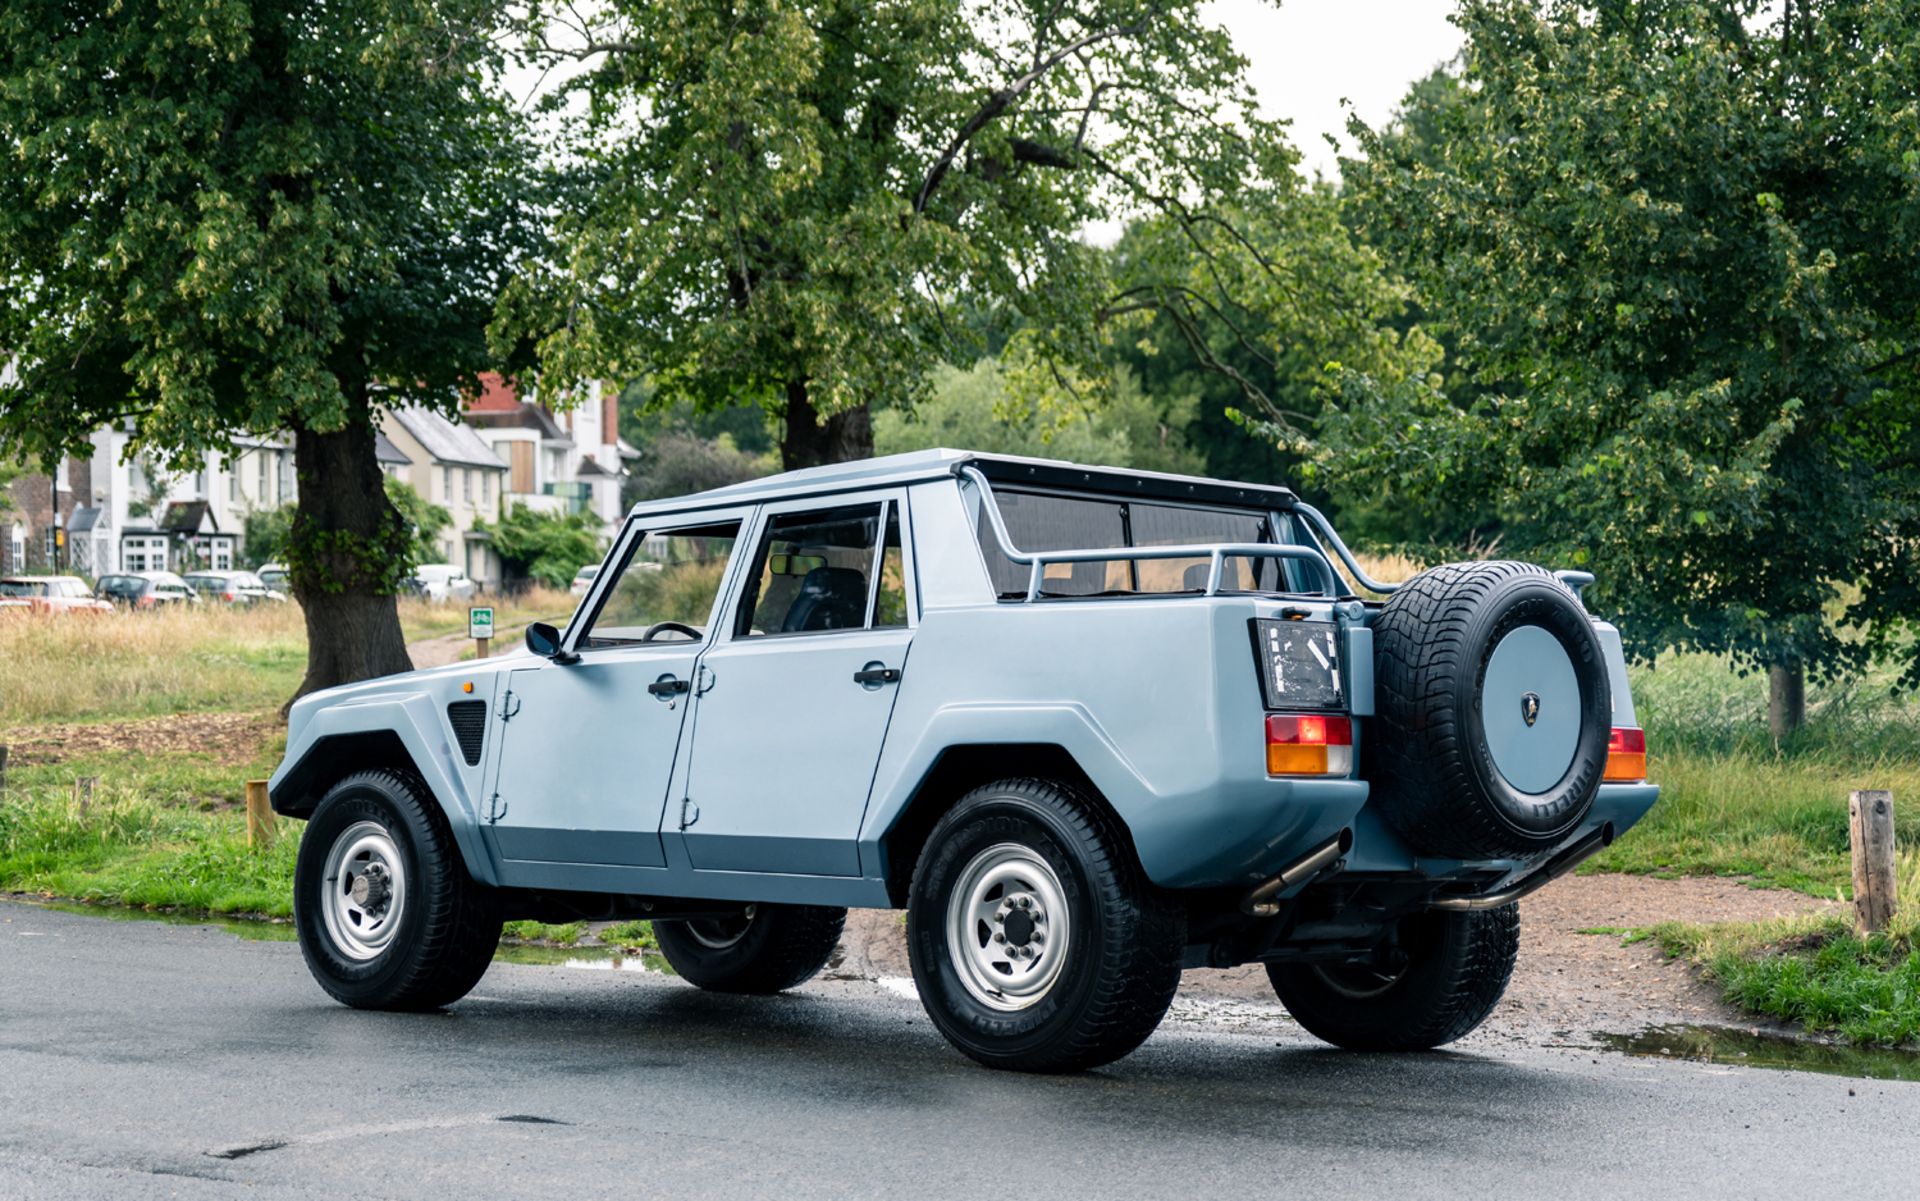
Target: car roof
(923,465)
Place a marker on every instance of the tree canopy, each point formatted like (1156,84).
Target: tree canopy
(1673,246)
(255,215)
(799,205)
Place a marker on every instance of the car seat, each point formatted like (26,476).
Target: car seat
(830,598)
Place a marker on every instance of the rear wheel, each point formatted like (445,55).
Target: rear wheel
(387,916)
(1449,972)
(766,949)
(1037,942)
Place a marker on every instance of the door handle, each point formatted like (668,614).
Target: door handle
(877,675)
(668,686)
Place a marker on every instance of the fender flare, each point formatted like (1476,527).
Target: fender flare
(415,721)
(1065,724)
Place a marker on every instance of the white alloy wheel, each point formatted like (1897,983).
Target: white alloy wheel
(364,891)
(1008,928)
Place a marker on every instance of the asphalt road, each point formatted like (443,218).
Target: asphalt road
(146,1060)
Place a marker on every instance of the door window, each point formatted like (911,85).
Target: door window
(813,573)
(668,576)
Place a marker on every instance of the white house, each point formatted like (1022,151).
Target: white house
(451,466)
(562,458)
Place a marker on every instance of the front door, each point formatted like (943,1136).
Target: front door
(589,737)
(794,703)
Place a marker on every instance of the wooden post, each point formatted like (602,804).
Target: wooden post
(260,819)
(3,771)
(1870,822)
(481,644)
(83,794)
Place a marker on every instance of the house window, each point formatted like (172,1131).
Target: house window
(446,484)
(261,468)
(486,488)
(466,485)
(233,482)
(200,483)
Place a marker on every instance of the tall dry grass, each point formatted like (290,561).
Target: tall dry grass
(141,664)
(426,619)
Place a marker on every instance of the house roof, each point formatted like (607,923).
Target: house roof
(520,417)
(189,517)
(590,468)
(628,450)
(84,519)
(497,394)
(384,451)
(446,441)
(1012,470)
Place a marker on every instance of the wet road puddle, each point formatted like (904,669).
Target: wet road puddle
(1745,1048)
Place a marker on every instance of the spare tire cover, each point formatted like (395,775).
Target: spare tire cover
(1493,711)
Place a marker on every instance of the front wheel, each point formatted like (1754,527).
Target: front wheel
(1447,972)
(1037,942)
(387,916)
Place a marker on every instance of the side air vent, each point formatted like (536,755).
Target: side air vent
(469,722)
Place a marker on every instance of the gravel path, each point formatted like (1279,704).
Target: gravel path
(1566,984)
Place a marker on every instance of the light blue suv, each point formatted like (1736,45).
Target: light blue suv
(1088,726)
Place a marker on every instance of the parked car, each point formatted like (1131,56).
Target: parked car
(145,589)
(1144,724)
(50,594)
(583,579)
(233,587)
(442,582)
(274,576)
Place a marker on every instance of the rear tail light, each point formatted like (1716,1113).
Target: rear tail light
(230,596)
(1626,754)
(1309,744)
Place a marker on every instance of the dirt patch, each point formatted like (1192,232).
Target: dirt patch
(452,648)
(1566,984)
(231,738)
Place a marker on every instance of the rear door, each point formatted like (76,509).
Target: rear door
(587,743)
(794,702)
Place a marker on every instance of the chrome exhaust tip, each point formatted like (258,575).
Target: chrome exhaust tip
(1260,902)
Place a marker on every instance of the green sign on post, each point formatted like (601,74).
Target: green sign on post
(480,626)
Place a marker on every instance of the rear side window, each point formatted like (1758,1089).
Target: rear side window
(813,573)
(1041,521)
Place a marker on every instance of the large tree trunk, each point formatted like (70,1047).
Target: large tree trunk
(342,562)
(810,442)
(1786,697)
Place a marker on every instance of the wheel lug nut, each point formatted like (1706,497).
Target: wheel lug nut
(998,936)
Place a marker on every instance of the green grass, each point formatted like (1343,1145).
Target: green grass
(1735,802)
(1815,971)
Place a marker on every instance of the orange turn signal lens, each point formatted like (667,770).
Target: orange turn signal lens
(1309,744)
(1626,754)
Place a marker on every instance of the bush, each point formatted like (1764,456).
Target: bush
(547,548)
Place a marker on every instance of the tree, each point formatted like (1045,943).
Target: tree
(250,216)
(980,409)
(790,204)
(264,534)
(423,520)
(1677,248)
(681,463)
(548,548)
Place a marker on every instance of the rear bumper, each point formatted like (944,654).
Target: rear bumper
(1245,834)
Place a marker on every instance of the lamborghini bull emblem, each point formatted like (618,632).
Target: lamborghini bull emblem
(1530,708)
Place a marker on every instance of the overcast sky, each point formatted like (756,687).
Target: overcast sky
(1308,55)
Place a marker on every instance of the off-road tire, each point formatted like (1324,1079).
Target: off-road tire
(1457,967)
(1426,753)
(451,924)
(1122,963)
(778,947)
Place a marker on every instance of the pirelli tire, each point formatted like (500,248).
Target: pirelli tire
(1493,710)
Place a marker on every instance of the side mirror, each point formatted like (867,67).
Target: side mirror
(543,640)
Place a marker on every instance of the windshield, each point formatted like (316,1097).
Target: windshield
(23,588)
(1041,521)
